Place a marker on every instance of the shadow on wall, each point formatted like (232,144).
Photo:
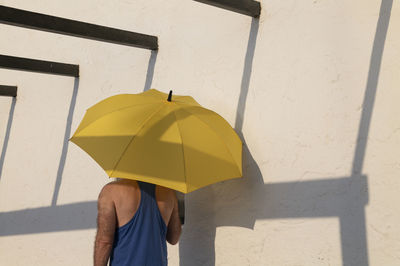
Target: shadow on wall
(150,70)
(7,135)
(241,202)
(58,218)
(66,142)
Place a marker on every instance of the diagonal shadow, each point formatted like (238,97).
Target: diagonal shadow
(150,70)
(7,136)
(372,84)
(242,201)
(64,151)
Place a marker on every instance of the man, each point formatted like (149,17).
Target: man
(134,221)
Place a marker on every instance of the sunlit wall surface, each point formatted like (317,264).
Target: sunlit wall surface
(311,87)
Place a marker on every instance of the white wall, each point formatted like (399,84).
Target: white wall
(292,83)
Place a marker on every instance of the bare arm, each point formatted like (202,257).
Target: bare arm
(106,224)
(174,225)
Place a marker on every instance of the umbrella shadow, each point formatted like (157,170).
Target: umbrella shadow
(64,151)
(150,70)
(7,135)
(244,201)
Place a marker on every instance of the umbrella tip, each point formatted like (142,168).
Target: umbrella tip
(170,95)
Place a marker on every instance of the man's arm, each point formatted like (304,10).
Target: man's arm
(106,223)
(174,225)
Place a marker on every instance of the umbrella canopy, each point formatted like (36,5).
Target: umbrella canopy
(169,141)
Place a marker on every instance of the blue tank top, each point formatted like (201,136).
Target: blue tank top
(142,241)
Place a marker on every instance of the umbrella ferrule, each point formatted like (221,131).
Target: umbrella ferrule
(170,95)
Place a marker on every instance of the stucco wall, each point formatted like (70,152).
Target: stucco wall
(312,88)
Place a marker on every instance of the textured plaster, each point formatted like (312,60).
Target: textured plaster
(311,87)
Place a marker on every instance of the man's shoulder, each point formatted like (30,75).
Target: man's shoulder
(106,191)
(108,187)
(116,186)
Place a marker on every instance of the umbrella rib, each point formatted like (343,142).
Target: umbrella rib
(212,130)
(126,107)
(183,153)
(133,137)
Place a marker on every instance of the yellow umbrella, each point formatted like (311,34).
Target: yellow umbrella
(160,139)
